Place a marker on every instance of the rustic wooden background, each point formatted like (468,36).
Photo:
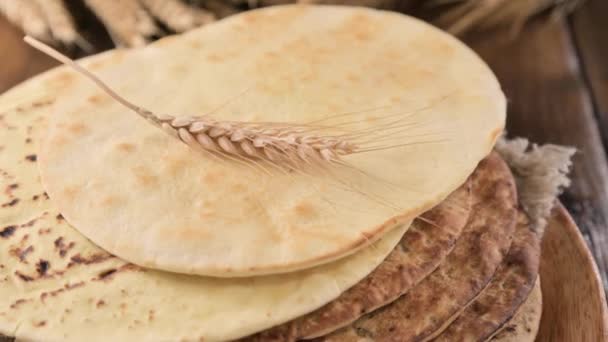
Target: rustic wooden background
(555,75)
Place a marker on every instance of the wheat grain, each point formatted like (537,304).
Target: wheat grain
(280,144)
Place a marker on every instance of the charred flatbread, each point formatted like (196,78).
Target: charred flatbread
(523,327)
(509,288)
(429,306)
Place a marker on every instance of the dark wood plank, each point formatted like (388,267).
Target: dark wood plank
(549,102)
(589,27)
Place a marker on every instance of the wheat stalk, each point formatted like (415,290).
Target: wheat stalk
(126,20)
(281,144)
(28,16)
(177,15)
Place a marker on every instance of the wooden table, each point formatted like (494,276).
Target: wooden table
(555,81)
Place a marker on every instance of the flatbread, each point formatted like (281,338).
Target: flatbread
(422,248)
(506,292)
(146,197)
(523,327)
(422,311)
(55,285)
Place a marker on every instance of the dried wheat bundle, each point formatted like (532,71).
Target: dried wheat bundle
(28,16)
(461,16)
(132,22)
(129,22)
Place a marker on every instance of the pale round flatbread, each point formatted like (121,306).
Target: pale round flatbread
(439,298)
(423,247)
(509,288)
(523,327)
(55,285)
(146,197)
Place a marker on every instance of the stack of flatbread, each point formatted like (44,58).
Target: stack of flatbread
(112,230)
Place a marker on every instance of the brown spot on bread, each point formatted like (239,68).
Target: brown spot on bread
(305,210)
(42,103)
(214,58)
(125,147)
(106,274)
(69,286)
(9,189)
(61,80)
(92,259)
(35,197)
(109,201)
(180,69)
(18,302)
(31,157)
(59,140)
(59,217)
(66,287)
(98,99)
(143,176)
(239,188)
(358,27)
(24,277)
(78,128)
(21,253)
(62,248)
(44,231)
(100,303)
(28,140)
(70,192)
(353,78)
(7,231)
(175,165)
(271,55)
(29,223)
(191,233)
(10,203)
(42,267)
(40,324)
(211,177)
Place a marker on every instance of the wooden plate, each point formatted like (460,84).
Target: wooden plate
(574,302)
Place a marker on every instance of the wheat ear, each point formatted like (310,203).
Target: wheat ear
(281,144)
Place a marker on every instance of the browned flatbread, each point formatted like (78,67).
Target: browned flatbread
(523,327)
(509,288)
(420,251)
(421,312)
